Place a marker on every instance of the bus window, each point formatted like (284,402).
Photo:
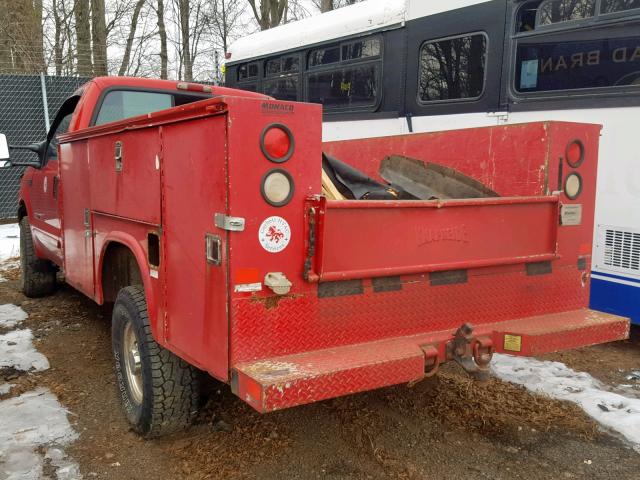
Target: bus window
(612,6)
(282,88)
(247,71)
(288,64)
(554,65)
(453,68)
(324,56)
(527,15)
(348,87)
(361,49)
(557,11)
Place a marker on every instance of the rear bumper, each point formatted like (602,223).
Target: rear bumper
(281,382)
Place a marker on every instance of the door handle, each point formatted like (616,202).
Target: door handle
(118,156)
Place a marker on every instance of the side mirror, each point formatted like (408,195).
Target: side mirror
(4,152)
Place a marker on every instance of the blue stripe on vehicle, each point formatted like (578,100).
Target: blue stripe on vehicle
(618,277)
(616,298)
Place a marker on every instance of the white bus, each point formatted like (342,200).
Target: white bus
(387,67)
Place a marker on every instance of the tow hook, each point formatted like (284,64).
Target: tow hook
(431,360)
(471,353)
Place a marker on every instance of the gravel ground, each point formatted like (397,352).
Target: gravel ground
(446,428)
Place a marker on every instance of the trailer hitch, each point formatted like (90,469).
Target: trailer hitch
(471,353)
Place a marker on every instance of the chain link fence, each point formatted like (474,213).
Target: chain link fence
(27,104)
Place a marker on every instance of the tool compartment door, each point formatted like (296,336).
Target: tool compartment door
(76,214)
(194,189)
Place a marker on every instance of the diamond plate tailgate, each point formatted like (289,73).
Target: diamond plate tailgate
(286,381)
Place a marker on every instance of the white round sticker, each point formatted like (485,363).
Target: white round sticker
(274,234)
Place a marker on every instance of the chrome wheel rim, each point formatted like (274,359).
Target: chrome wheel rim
(132,363)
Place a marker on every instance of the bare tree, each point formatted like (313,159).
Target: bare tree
(328,5)
(269,13)
(187,59)
(126,57)
(21,36)
(99,37)
(83,37)
(225,19)
(162,32)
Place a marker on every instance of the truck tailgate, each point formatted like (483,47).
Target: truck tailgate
(366,239)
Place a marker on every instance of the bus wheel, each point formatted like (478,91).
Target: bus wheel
(38,276)
(159,391)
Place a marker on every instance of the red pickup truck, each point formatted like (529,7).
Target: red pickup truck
(197,213)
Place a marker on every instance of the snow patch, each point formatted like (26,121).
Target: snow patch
(31,423)
(17,351)
(556,380)
(5,388)
(11,315)
(9,241)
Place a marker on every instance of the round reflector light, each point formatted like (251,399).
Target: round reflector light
(575,153)
(276,143)
(573,186)
(277,187)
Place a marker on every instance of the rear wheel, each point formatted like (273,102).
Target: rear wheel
(38,276)
(159,391)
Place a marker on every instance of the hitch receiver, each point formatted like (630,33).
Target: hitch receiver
(471,353)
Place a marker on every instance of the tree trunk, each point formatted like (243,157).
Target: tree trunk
(38,36)
(99,37)
(57,35)
(326,5)
(126,58)
(271,12)
(162,32)
(186,47)
(6,61)
(83,37)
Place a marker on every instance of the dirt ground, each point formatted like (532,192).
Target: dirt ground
(445,428)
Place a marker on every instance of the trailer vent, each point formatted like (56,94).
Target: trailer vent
(622,249)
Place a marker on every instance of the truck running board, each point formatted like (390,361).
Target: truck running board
(281,382)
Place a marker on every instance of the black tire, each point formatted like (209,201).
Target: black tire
(38,276)
(169,385)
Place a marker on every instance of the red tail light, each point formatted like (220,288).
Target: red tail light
(575,153)
(277,143)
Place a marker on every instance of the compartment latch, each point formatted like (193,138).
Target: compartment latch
(231,224)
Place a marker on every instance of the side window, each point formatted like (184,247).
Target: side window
(324,56)
(556,11)
(361,49)
(346,76)
(453,68)
(282,77)
(546,65)
(247,71)
(282,89)
(355,86)
(121,104)
(612,6)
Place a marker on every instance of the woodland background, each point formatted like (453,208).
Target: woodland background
(169,39)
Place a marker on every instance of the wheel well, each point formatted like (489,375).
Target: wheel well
(119,269)
(22,211)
